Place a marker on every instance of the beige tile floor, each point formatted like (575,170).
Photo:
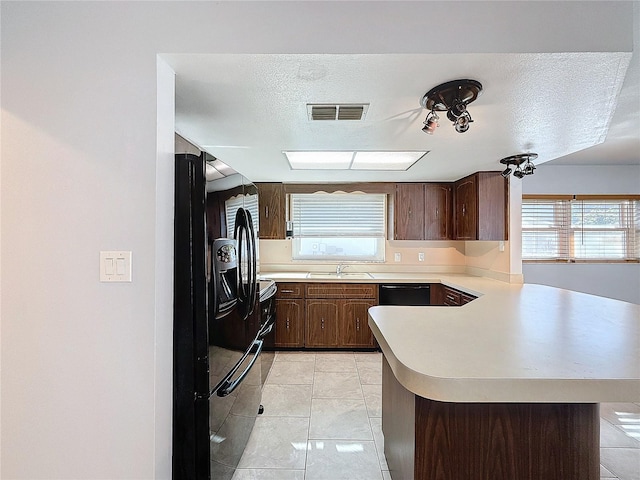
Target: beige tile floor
(322,421)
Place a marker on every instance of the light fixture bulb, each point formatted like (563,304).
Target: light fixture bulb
(506,172)
(529,168)
(458,109)
(462,123)
(430,123)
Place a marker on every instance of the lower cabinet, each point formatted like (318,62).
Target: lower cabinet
(314,315)
(289,323)
(353,323)
(322,323)
(336,315)
(448,296)
(339,323)
(290,315)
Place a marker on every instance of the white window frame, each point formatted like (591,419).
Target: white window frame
(569,232)
(320,237)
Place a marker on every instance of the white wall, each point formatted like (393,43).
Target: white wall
(86,166)
(619,281)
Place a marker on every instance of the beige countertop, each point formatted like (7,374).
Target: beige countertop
(514,343)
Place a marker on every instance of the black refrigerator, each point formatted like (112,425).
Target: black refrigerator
(190,331)
(220,327)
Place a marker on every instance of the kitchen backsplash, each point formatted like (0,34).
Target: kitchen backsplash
(476,258)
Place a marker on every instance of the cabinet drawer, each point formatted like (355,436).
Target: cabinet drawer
(451,297)
(341,290)
(466,298)
(290,290)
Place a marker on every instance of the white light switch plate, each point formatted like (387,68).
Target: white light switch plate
(397,257)
(421,257)
(115,266)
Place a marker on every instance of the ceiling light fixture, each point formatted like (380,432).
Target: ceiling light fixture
(451,97)
(521,162)
(353,160)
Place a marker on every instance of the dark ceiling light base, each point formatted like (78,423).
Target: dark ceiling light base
(517,161)
(451,97)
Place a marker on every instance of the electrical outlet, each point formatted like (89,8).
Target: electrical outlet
(397,257)
(501,246)
(421,257)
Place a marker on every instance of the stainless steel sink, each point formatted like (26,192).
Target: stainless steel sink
(343,275)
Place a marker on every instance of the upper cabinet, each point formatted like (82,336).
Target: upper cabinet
(272,210)
(473,208)
(423,211)
(480,207)
(408,216)
(438,201)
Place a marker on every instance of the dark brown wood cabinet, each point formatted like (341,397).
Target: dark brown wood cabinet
(408,215)
(466,298)
(444,295)
(480,207)
(438,211)
(465,207)
(426,439)
(290,316)
(272,210)
(337,315)
(322,323)
(423,211)
(452,297)
(353,327)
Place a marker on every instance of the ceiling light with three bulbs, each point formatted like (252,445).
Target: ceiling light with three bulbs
(451,97)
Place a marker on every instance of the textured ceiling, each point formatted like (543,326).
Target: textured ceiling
(245,109)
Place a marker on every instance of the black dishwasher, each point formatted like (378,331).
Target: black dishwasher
(405,294)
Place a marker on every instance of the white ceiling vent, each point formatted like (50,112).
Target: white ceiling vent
(326,111)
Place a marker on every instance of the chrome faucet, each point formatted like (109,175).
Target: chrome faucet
(340,268)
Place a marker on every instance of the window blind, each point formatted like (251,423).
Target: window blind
(604,229)
(581,228)
(338,215)
(545,233)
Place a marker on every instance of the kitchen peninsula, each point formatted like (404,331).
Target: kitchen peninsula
(506,387)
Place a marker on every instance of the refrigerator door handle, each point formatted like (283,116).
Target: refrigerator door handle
(227,386)
(266,330)
(244,234)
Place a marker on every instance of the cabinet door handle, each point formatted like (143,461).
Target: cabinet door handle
(266,211)
(464,209)
(322,323)
(286,291)
(437,212)
(357,324)
(287,323)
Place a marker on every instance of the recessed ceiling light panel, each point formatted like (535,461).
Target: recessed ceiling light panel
(349,160)
(319,160)
(392,161)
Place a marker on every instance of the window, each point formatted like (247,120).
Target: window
(338,226)
(580,228)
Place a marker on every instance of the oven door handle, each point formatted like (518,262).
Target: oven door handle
(229,386)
